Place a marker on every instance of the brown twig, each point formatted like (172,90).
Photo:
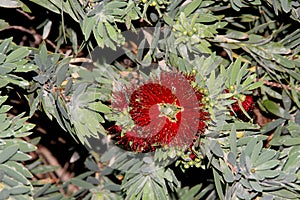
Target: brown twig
(60,172)
(278,85)
(81,60)
(37,37)
(32,32)
(26,14)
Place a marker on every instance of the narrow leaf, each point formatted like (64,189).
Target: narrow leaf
(8,152)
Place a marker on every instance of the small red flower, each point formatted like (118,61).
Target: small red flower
(247,103)
(193,156)
(164,111)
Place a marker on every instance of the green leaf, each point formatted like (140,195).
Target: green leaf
(227,173)
(256,150)
(42,190)
(285,194)
(234,34)
(47,29)
(87,26)
(271,125)
(8,152)
(232,141)
(292,164)
(25,128)
(276,109)
(99,107)
(250,146)
(22,145)
(111,32)
(3,82)
(286,5)
(6,133)
(44,169)
(130,181)
(255,185)
(191,7)
(48,5)
(295,96)
(286,100)
(217,179)
(4,193)
(5,108)
(148,192)
(265,156)
(26,68)
(14,174)
(5,69)
(20,156)
(231,158)
(91,165)
(135,189)
(289,64)
(10,3)
(3,99)
(192,192)
(254,86)
(294,128)
(3,25)
(5,45)
(291,141)
(235,70)
(5,127)
(19,190)
(17,54)
(268,173)
(216,148)
(81,183)
(62,71)
(267,165)
(160,191)
(20,168)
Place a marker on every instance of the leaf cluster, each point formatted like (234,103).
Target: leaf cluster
(250,51)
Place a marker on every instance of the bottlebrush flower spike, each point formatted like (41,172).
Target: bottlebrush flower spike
(165,111)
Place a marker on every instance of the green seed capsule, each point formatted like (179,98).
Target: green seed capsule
(186,166)
(153,3)
(242,97)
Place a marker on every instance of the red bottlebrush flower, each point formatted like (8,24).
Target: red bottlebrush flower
(247,103)
(164,111)
(248,106)
(193,156)
(115,130)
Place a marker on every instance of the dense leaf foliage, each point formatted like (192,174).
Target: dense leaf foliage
(240,57)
